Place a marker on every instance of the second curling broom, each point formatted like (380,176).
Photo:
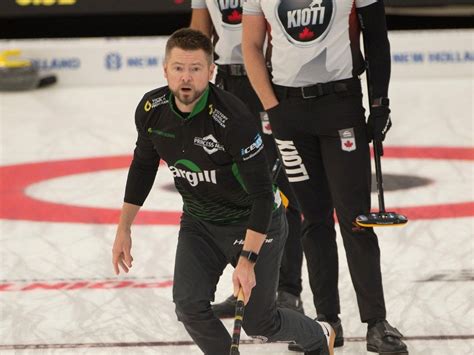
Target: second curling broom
(382,218)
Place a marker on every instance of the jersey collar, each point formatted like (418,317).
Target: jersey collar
(200,105)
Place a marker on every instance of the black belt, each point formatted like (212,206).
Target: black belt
(233,69)
(320,89)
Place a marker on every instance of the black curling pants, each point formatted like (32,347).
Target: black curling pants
(203,251)
(324,148)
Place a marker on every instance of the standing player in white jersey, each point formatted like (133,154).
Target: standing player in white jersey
(314,102)
(221,20)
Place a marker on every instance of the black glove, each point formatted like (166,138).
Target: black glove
(378,123)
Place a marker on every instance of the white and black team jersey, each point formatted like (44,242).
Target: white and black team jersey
(314,41)
(226,17)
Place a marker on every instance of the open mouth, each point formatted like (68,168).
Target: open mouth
(186,90)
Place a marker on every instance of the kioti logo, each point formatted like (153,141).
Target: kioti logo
(305,22)
(45,2)
(294,167)
(231,11)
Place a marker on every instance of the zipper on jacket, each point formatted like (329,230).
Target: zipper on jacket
(183,134)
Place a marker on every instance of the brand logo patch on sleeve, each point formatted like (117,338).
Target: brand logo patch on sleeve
(253,149)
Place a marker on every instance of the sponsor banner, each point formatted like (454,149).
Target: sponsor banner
(11,8)
(100,61)
(96,61)
(446,53)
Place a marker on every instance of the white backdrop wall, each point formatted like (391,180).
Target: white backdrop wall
(104,61)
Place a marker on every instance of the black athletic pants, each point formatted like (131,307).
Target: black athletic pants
(323,143)
(203,251)
(290,270)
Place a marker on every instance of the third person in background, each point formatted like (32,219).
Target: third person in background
(221,21)
(314,101)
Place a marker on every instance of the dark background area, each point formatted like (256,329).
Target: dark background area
(155,24)
(109,18)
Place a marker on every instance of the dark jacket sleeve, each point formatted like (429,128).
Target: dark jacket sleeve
(245,145)
(256,177)
(374,27)
(144,166)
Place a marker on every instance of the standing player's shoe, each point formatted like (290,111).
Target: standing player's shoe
(384,339)
(225,309)
(290,301)
(328,345)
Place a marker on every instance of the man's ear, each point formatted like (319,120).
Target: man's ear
(211,71)
(165,70)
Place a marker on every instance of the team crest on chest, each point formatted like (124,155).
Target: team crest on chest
(231,11)
(307,21)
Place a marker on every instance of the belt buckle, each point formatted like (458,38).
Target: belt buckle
(319,91)
(237,70)
(303,94)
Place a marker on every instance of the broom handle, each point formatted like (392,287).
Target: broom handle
(239,317)
(378,151)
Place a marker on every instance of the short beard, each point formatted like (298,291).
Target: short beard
(188,99)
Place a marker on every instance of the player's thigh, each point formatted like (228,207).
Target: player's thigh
(262,305)
(346,156)
(299,148)
(198,264)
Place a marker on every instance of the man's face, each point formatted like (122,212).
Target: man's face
(188,73)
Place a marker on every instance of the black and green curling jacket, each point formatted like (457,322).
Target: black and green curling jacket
(215,156)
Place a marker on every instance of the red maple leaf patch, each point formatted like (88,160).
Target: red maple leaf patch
(306,34)
(235,17)
(348,144)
